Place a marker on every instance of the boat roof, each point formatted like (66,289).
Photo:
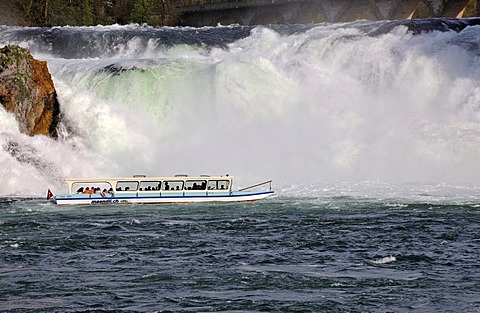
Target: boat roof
(147,178)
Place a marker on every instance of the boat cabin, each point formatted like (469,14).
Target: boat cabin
(153,185)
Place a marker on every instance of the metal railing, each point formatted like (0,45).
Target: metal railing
(258,185)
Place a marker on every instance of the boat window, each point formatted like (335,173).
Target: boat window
(150,185)
(173,185)
(218,184)
(78,187)
(127,186)
(195,184)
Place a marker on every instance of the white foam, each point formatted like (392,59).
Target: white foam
(325,105)
(385,260)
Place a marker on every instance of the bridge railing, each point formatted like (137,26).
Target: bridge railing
(210,5)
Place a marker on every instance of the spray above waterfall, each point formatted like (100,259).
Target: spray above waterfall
(298,104)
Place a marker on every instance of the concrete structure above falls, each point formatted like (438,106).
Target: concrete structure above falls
(261,12)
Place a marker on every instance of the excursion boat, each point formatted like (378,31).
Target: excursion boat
(157,190)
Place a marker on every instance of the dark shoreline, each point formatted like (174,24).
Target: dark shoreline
(207,13)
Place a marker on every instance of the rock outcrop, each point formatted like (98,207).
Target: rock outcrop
(27,90)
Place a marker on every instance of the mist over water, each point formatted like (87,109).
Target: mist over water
(302,105)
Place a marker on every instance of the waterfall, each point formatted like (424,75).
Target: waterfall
(362,101)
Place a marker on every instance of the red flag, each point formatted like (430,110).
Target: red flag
(49,194)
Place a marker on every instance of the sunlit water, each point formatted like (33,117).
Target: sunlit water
(370,131)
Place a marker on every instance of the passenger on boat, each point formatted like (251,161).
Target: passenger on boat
(88,191)
(167,187)
(110,191)
(80,190)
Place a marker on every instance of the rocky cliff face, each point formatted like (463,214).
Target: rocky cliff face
(27,90)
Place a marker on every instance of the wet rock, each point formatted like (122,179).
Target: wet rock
(27,91)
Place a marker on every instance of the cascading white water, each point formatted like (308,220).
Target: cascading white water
(325,103)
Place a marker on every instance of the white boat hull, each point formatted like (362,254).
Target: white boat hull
(181,197)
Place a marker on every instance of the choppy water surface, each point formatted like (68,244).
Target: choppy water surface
(335,254)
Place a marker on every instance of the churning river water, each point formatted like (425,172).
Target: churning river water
(369,130)
(285,254)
